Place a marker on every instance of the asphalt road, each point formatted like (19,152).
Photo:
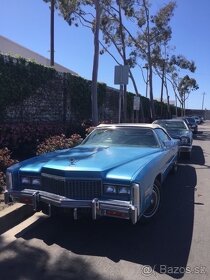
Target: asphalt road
(175,245)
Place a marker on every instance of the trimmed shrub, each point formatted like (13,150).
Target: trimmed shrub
(5,161)
(58,142)
(22,139)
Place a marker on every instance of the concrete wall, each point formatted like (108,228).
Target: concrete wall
(194,112)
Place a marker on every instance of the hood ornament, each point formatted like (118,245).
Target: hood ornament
(72,161)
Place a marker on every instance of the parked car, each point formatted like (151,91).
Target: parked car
(178,129)
(197,119)
(201,119)
(117,171)
(192,124)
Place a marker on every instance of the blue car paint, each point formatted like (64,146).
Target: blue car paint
(120,166)
(112,164)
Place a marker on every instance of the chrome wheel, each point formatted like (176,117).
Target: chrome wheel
(154,203)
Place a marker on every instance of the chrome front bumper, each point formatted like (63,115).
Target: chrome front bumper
(186,149)
(111,208)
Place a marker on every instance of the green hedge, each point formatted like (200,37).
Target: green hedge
(21,78)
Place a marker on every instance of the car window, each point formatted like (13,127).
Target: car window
(191,120)
(122,136)
(176,125)
(162,135)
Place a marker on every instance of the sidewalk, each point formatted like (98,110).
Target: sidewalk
(12,215)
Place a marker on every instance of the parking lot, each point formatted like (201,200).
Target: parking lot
(175,245)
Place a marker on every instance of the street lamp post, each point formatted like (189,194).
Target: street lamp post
(52,6)
(147,78)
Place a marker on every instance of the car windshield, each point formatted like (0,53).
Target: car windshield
(191,120)
(173,125)
(122,136)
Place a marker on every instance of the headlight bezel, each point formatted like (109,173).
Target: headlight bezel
(126,190)
(107,189)
(25,180)
(30,181)
(118,190)
(185,140)
(36,181)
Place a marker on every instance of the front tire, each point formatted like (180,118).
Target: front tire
(154,207)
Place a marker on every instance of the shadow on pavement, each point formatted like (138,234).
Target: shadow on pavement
(20,260)
(202,135)
(197,156)
(162,244)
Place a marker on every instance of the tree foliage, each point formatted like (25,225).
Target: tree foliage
(140,35)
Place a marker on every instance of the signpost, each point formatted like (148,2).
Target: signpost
(121,78)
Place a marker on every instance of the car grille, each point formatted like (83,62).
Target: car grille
(84,189)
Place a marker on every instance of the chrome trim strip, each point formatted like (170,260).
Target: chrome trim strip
(6,197)
(134,215)
(94,208)
(136,197)
(185,147)
(34,199)
(56,177)
(49,210)
(62,178)
(75,215)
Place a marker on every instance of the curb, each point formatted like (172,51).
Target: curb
(13,215)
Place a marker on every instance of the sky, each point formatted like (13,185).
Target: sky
(27,22)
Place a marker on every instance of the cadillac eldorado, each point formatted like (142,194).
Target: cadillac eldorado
(117,171)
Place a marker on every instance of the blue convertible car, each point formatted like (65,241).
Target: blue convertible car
(117,171)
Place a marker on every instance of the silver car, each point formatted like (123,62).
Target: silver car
(178,129)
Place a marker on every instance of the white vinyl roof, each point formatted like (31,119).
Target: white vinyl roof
(144,125)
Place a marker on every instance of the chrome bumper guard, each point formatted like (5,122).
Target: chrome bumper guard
(113,208)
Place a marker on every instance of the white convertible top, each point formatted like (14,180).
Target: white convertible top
(144,125)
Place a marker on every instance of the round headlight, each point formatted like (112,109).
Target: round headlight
(25,180)
(124,190)
(36,182)
(110,189)
(184,140)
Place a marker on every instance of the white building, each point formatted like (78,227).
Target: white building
(9,47)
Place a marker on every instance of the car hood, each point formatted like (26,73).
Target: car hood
(178,133)
(89,161)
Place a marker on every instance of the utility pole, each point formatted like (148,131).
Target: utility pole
(52,7)
(94,97)
(203,100)
(147,78)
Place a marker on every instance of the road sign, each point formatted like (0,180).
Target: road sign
(121,74)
